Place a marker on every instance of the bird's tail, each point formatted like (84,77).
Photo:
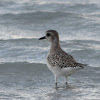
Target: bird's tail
(82,65)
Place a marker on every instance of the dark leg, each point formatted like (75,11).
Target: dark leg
(56,82)
(66,84)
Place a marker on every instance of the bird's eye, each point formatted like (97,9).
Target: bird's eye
(48,34)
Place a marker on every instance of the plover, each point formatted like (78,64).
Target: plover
(58,61)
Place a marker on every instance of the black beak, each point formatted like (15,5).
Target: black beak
(42,38)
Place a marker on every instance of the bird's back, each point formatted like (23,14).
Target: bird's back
(62,59)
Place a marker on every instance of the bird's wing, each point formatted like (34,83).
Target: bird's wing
(63,60)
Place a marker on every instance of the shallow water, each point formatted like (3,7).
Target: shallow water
(24,81)
(22,22)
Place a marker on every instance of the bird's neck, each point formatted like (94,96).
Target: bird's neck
(54,46)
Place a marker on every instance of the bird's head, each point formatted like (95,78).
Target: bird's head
(52,36)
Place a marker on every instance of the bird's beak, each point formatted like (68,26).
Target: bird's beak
(42,38)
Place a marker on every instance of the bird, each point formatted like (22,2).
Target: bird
(58,61)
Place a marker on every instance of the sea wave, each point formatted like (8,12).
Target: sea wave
(39,14)
(42,17)
(16,7)
(20,39)
(35,51)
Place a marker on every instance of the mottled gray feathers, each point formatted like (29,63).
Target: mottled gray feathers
(62,59)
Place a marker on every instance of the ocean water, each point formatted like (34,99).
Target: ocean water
(23,71)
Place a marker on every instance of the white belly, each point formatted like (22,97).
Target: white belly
(55,70)
(62,71)
(69,71)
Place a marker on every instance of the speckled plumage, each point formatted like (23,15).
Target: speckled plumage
(58,61)
(62,59)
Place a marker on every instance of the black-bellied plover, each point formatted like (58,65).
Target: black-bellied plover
(58,61)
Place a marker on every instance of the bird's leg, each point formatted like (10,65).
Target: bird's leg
(56,82)
(66,82)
